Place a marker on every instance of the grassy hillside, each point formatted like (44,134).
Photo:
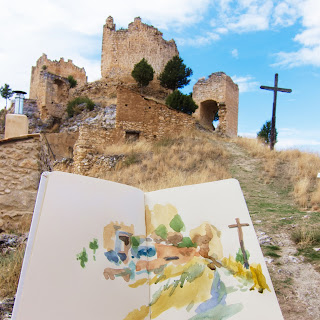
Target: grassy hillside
(281,190)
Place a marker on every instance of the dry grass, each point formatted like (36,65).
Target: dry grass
(10,267)
(301,168)
(171,162)
(306,236)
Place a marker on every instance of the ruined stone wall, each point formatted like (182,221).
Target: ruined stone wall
(144,118)
(60,68)
(122,49)
(20,171)
(49,85)
(152,120)
(61,144)
(218,90)
(232,103)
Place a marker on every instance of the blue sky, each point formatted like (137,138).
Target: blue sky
(250,40)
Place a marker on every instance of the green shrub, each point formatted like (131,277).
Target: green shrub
(72,107)
(73,82)
(182,102)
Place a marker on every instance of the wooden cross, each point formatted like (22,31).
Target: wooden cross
(275,90)
(239,226)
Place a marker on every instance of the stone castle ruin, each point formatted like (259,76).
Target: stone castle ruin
(121,113)
(217,93)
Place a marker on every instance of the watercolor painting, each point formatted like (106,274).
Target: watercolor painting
(184,267)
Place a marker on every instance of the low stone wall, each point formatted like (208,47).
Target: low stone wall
(20,170)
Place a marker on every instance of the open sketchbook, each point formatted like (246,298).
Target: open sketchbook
(103,250)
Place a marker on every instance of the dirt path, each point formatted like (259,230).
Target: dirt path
(297,283)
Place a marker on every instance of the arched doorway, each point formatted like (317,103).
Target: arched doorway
(208,109)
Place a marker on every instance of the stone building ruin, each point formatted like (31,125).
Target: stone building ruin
(122,49)
(79,144)
(217,93)
(49,85)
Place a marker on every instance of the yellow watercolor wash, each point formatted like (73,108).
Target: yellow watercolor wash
(259,279)
(161,214)
(138,283)
(212,233)
(236,268)
(138,314)
(197,291)
(172,271)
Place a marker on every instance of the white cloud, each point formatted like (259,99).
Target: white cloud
(245,83)
(245,15)
(309,53)
(235,53)
(198,41)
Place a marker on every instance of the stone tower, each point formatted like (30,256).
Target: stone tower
(217,93)
(122,49)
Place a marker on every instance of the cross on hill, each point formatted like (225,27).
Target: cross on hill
(275,90)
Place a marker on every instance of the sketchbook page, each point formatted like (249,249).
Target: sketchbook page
(208,262)
(80,246)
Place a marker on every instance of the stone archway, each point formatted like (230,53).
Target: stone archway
(208,109)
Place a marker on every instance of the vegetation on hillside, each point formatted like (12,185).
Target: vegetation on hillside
(74,106)
(297,169)
(265,133)
(6,93)
(175,74)
(142,73)
(72,81)
(182,102)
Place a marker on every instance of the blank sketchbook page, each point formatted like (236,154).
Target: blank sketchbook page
(193,222)
(74,213)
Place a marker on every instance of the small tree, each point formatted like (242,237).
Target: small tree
(6,93)
(142,73)
(265,133)
(182,102)
(175,74)
(72,81)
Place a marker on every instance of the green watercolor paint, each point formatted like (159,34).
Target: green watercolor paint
(190,306)
(239,256)
(135,242)
(83,257)
(162,231)
(177,224)
(93,245)
(187,243)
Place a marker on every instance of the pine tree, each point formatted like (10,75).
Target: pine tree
(175,74)
(265,133)
(142,73)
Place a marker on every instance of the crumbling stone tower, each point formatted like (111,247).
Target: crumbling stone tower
(122,49)
(50,87)
(217,93)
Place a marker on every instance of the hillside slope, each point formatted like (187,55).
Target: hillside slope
(202,157)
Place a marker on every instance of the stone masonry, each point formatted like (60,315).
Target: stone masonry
(217,93)
(136,118)
(49,85)
(19,178)
(122,49)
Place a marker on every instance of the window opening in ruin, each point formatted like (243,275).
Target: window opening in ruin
(132,136)
(208,109)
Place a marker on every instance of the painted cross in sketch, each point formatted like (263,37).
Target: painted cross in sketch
(240,233)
